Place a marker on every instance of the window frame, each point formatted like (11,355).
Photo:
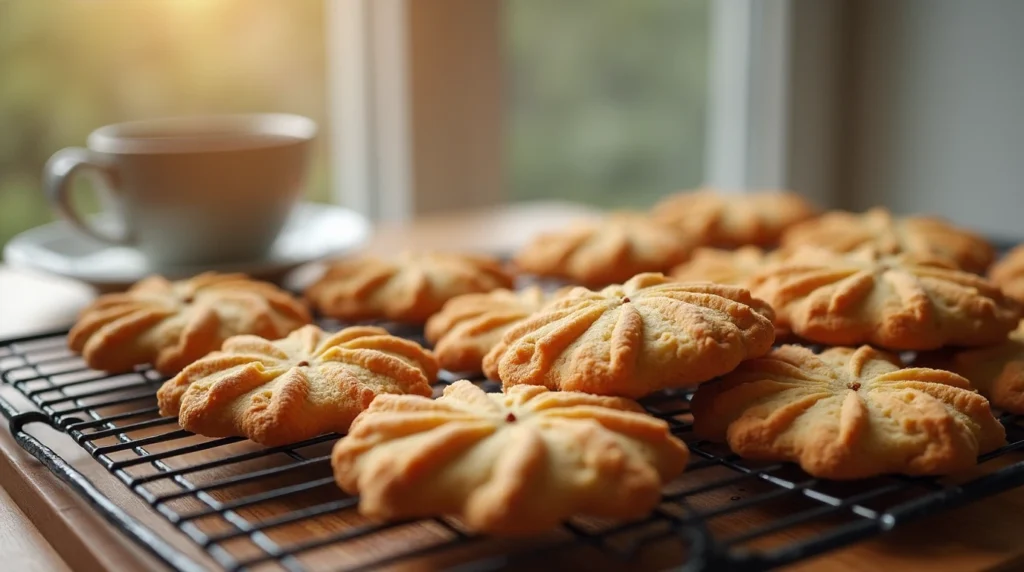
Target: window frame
(771,101)
(392,67)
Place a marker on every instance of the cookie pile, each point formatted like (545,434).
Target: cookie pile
(694,296)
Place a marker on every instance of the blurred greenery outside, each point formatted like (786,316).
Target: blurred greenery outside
(605,98)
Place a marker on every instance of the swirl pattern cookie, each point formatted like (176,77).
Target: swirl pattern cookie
(514,463)
(468,326)
(734,267)
(1008,273)
(847,414)
(842,231)
(171,324)
(409,289)
(634,339)
(283,391)
(895,302)
(607,251)
(997,372)
(730,220)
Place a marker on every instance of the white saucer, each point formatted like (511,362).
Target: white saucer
(313,231)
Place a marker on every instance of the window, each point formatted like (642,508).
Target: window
(603,102)
(606,99)
(599,101)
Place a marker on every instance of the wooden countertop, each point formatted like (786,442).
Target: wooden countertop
(43,524)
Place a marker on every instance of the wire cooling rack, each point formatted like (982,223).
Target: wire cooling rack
(253,508)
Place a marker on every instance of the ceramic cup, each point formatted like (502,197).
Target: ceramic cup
(190,190)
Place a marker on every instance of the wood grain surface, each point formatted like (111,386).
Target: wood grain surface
(21,544)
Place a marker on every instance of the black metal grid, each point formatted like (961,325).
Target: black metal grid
(115,419)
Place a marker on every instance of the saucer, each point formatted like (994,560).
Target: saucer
(313,231)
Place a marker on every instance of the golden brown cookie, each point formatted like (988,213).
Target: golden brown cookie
(634,339)
(514,463)
(847,414)
(283,391)
(902,302)
(409,289)
(172,324)
(734,267)
(1008,273)
(468,326)
(997,372)
(729,220)
(606,251)
(843,231)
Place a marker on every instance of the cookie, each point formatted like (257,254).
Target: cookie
(730,220)
(468,326)
(847,414)
(633,339)
(171,324)
(409,289)
(598,253)
(842,231)
(901,302)
(284,391)
(734,267)
(513,464)
(997,372)
(1008,273)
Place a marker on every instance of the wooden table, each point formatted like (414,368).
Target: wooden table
(43,524)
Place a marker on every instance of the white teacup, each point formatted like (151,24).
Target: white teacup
(191,190)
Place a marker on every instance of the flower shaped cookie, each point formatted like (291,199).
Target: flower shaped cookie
(597,253)
(847,414)
(172,324)
(729,220)
(283,391)
(842,231)
(514,463)
(409,289)
(633,339)
(902,302)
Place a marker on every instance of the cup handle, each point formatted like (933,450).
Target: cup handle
(58,174)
